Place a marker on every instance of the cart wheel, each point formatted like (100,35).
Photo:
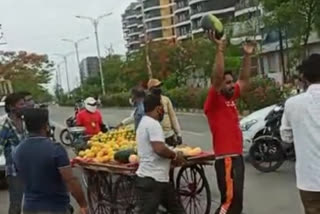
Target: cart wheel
(194,190)
(98,194)
(125,196)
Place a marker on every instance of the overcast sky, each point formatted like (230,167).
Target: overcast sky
(39,25)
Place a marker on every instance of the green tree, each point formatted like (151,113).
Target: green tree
(27,71)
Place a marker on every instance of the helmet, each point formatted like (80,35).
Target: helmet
(90,104)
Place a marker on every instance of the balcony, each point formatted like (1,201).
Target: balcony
(181,4)
(151,3)
(244,4)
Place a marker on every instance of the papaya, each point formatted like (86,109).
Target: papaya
(122,156)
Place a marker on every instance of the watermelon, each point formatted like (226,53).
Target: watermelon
(122,156)
(211,22)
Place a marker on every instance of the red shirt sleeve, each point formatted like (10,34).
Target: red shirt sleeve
(79,119)
(209,103)
(237,93)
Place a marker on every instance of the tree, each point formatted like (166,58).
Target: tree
(27,71)
(294,20)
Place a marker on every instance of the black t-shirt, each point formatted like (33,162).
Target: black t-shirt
(38,160)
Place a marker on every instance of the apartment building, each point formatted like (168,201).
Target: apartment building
(170,19)
(89,67)
(132,25)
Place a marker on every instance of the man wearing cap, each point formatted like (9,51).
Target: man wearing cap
(90,117)
(170,123)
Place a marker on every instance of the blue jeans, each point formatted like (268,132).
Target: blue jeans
(15,194)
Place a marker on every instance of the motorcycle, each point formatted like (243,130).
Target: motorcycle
(269,152)
(65,136)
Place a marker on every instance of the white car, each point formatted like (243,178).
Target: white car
(252,126)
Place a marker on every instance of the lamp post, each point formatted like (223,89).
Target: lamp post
(66,67)
(95,23)
(76,46)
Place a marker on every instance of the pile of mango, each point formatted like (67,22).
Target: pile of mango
(103,146)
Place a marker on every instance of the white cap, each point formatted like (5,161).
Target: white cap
(90,104)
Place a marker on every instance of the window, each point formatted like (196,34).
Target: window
(154,24)
(155,34)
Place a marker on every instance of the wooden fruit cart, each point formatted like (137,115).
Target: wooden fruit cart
(110,187)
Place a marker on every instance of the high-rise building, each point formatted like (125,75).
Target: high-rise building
(133,26)
(170,19)
(159,19)
(89,67)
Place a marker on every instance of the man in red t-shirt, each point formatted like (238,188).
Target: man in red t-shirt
(222,114)
(90,117)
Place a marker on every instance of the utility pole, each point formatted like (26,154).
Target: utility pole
(95,23)
(146,42)
(65,59)
(76,46)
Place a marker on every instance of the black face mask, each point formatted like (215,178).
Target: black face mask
(18,111)
(156,91)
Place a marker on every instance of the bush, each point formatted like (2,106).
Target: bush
(187,97)
(118,99)
(262,92)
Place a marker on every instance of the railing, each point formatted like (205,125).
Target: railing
(243,4)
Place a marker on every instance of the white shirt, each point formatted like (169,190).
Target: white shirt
(301,125)
(151,164)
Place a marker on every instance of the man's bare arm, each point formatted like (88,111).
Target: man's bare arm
(244,76)
(160,149)
(217,76)
(73,186)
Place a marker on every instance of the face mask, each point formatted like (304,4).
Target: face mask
(156,91)
(18,111)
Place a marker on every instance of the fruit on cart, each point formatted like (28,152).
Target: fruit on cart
(188,151)
(123,156)
(133,159)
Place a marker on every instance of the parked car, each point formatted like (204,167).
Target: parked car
(252,127)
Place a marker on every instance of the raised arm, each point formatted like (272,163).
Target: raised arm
(217,76)
(248,49)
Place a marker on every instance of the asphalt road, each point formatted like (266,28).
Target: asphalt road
(264,193)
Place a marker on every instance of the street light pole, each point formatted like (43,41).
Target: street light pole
(95,23)
(66,68)
(76,46)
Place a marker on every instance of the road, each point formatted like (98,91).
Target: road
(264,193)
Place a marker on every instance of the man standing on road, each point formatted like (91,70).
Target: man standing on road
(222,114)
(301,125)
(170,123)
(153,186)
(11,134)
(45,170)
(137,96)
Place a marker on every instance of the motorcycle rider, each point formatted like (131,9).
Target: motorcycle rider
(300,125)
(90,118)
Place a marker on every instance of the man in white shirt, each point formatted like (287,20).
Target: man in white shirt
(153,182)
(301,125)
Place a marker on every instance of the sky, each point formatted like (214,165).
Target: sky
(39,25)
